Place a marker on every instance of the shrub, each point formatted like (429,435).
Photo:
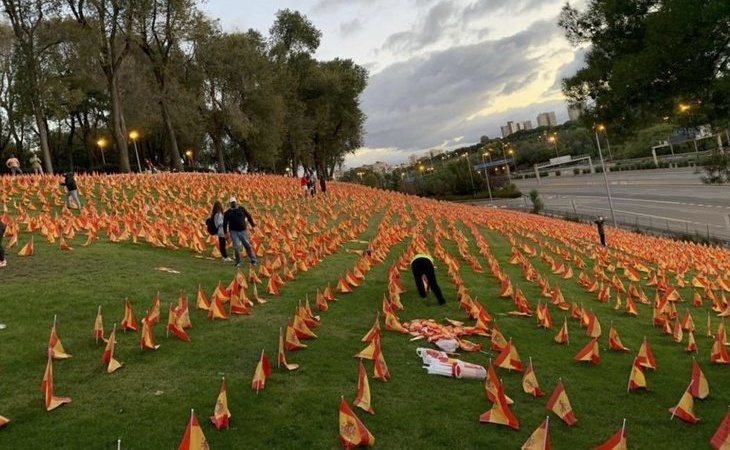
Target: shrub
(508,191)
(557,173)
(537,204)
(543,174)
(576,171)
(586,170)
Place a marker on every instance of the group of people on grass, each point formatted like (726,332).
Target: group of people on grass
(308,183)
(13,164)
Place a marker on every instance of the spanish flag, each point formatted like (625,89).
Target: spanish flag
(174,326)
(352,431)
(193,439)
(292,342)
(614,341)
(719,353)
(221,414)
(263,371)
(721,439)
(153,317)
(615,442)
(500,412)
(637,380)
(562,336)
(509,358)
(589,353)
(362,399)
(699,388)
(216,310)
(98,332)
(375,329)
(560,405)
(685,408)
(4,421)
(380,370)
(52,402)
(529,382)
(281,356)
(646,356)
(55,348)
(540,438)
(108,357)
(147,339)
(27,249)
(202,301)
(129,322)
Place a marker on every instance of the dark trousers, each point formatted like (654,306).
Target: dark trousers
(222,242)
(424,267)
(2,233)
(602,237)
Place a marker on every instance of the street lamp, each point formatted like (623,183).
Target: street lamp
(602,129)
(511,152)
(134,135)
(189,155)
(486,174)
(605,176)
(471,176)
(102,143)
(687,108)
(554,140)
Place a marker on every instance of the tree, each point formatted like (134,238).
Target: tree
(646,56)
(31,21)
(109,26)
(161,26)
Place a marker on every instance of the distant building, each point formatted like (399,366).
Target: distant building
(510,128)
(527,125)
(547,119)
(379,167)
(575,111)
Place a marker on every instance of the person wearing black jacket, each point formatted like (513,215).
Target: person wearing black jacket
(601,231)
(3,262)
(72,190)
(234,222)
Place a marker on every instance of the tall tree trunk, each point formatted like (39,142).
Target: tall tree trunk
(218,145)
(40,121)
(175,161)
(119,130)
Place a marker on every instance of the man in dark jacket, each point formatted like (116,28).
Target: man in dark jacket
(72,190)
(3,262)
(234,221)
(601,231)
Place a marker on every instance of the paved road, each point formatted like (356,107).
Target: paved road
(673,198)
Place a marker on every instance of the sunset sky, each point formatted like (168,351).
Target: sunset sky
(442,73)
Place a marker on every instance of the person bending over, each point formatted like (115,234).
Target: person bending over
(422,267)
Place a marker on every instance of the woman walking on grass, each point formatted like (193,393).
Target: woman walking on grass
(217,216)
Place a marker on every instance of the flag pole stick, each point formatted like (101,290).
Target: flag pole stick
(623,428)
(119,444)
(167,329)
(674,410)
(278,357)
(633,367)
(98,313)
(54,321)
(547,432)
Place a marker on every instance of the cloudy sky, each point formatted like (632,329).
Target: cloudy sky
(442,72)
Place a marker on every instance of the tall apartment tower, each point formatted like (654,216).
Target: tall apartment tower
(547,119)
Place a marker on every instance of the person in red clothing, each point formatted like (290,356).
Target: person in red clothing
(304,183)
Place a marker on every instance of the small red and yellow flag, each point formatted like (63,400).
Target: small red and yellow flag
(263,371)
(221,414)
(353,432)
(560,405)
(281,356)
(108,357)
(193,439)
(52,402)
(362,399)
(55,348)
(699,388)
(540,438)
(721,439)
(615,442)
(129,322)
(637,380)
(685,408)
(529,382)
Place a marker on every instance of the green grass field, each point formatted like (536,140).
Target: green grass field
(147,403)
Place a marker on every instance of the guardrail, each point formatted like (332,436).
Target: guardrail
(674,228)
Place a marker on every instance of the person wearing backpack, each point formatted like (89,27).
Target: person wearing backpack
(234,220)
(215,226)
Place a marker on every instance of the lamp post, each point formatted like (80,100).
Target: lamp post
(134,135)
(687,108)
(511,152)
(602,129)
(102,143)
(554,140)
(471,176)
(486,174)
(605,176)
(189,155)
